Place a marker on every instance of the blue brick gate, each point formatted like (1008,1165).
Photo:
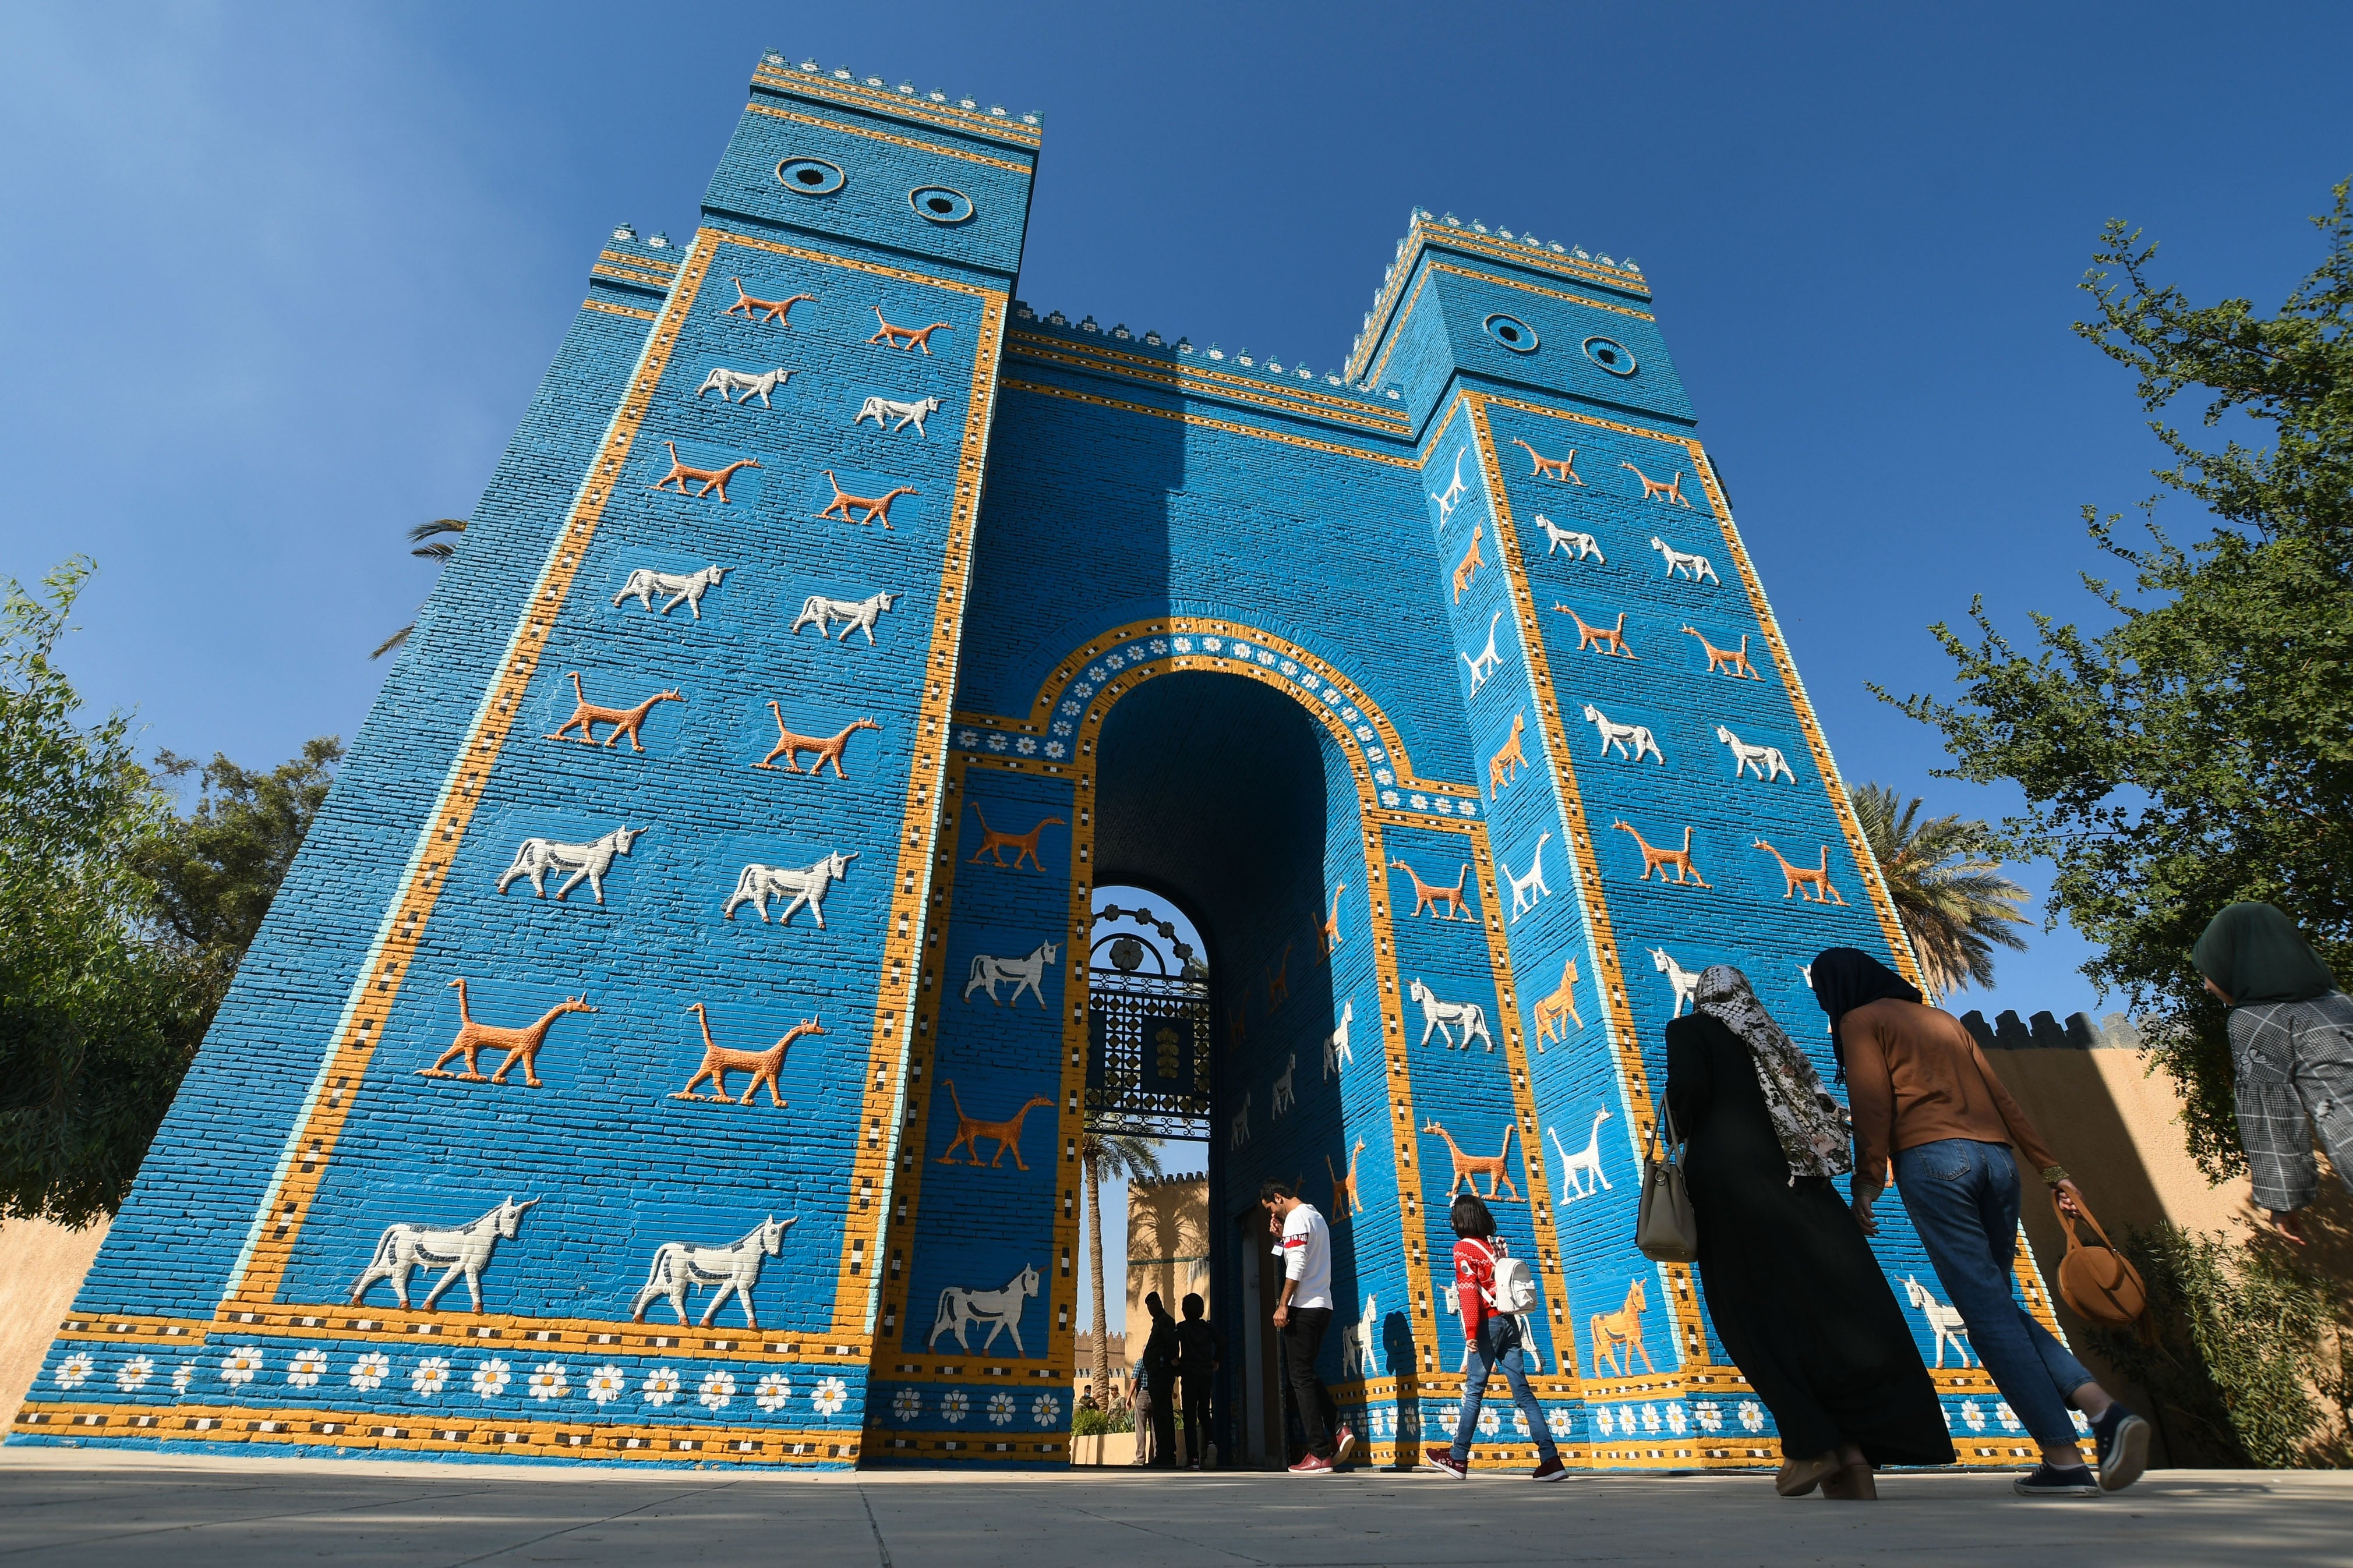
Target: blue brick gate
(709,1093)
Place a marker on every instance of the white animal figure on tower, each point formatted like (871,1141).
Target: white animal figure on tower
(1443,1017)
(680,1266)
(688,586)
(1356,1341)
(1622,736)
(806,885)
(1685,981)
(1337,1053)
(1000,1310)
(746,382)
(1487,663)
(1944,1323)
(1691,566)
(1283,1097)
(906,414)
(856,615)
(1767,761)
(1454,494)
(465,1248)
(1241,1123)
(1585,1162)
(535,857)
(1024,972)
(1579,545)
(1527,890)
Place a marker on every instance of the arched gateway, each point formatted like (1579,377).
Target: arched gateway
(1437,683)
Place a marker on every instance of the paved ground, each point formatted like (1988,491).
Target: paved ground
(95,1508)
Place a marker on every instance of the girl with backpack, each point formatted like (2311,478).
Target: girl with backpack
(1490,1288)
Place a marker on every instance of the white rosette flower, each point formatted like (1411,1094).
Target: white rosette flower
(954,1405)
(240,1365)
(369,1369)
(492,1377)
(549,1379)
(772,1390)
(718,1388)
(432,1376)
(831,1394)
(132,1374)
(660,1386)
(1000,1409)
(606,1384)
(1046,1411)
(75,1370)
(306,1368)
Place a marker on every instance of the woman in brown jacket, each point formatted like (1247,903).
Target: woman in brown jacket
(1924,1097)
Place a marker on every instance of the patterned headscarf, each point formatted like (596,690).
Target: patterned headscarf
(1817,1134)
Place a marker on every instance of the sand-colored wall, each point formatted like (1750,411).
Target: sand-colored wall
(2113,1118)
(41,1265)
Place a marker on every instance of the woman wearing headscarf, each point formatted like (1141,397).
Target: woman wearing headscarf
(2292,1045)
(1795,1295)
(1924,1097)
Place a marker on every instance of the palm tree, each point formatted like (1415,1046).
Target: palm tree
(1947,886)
(441,550)
(1118,1155)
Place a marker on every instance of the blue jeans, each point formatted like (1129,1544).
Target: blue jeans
(1962,1196)
(1498,1349)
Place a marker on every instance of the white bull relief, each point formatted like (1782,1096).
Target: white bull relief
(807,886)
(535,857)
(463,1249)
(1024,972)
(1445,1017)
(1000,1310)
(856,615)
(906,414)
(746,382)
(680,1266)
(684,587)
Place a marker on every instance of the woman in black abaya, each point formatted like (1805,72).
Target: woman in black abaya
(1794,1293)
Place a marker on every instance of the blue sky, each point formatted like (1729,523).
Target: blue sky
(280,279)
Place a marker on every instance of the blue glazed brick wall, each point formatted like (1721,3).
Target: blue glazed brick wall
(1206,626)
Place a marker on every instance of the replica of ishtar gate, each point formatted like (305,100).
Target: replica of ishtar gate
(673,1042)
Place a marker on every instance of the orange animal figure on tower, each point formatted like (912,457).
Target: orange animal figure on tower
(906,337)
(1603,640)
(876,507)
(710,479)
(520,1044)
(1428,897)
(1494,1167)
(1327,935)
(1669,490)
(1471,561)
(1817,880)
(775,311)
(995,842)
(828,749)
(1562,469)
(1731,661)
(718,1061)
(1664,860)
(1004,1134)
(624,720)
(1505,765)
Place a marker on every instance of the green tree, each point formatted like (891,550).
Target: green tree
(438,549)
(2200,748)
(1117,1156)
(98,1017)
(1945,875)
(121,924)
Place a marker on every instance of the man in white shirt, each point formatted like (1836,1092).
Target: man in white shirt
(1302,1315)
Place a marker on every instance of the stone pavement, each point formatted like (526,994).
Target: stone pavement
(97,1508)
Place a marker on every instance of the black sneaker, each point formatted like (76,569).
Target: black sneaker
(2123,1439)
(2048,1482)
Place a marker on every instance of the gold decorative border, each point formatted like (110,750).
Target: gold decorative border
(945,151)
(535,1435)
(1043,390)
(610,308)
(1453,270)
(898,106)
(632,275)
(886,1099)
(1197,380)
(649,263)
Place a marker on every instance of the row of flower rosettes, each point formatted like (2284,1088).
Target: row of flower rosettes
(246,1371)
(1705,1415)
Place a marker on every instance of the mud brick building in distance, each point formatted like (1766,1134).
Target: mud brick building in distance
(672,1044)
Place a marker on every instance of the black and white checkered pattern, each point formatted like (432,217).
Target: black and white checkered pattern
(2294,1063)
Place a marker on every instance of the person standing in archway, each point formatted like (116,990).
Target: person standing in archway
(1201,1351)
(1158,1370)
(1304,1316)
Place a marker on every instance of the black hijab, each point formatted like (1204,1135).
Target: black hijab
(1844,978)
(2257,954)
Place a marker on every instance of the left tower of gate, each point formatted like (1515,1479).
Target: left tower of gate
(553,1111)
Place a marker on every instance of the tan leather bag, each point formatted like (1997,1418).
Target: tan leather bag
(2095,1281)
(1665,1228)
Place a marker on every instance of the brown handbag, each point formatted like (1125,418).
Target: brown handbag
(2103,1289)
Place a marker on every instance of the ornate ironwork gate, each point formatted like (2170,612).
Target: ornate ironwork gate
(1148,1030)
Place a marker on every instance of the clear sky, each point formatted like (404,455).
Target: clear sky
(280,279)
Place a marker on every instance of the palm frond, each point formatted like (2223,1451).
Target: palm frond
(437,526)
(1946,877)
(439,552)
(398,639)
